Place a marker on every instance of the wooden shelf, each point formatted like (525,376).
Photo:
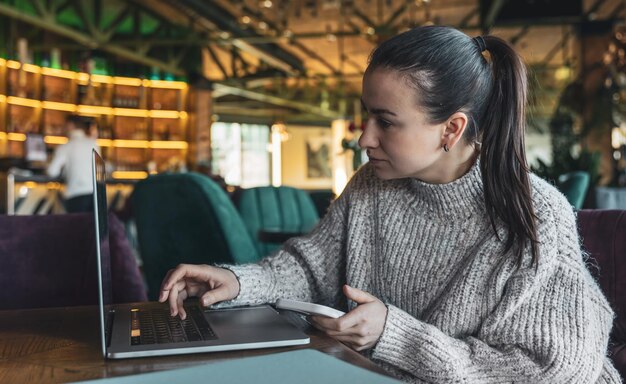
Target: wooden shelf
(140,121)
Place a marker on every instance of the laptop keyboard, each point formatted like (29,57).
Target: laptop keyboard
(156,326)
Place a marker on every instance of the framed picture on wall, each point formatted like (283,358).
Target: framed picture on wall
(318,157)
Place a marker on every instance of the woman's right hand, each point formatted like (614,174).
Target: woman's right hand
(210,284)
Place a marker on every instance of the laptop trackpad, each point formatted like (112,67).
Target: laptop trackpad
(250,324)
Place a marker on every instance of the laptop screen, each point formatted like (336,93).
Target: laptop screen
(102,249)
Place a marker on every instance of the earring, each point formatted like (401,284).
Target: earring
(446,148)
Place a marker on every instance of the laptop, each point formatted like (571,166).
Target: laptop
(147,329)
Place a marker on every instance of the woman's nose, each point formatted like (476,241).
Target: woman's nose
(368,137)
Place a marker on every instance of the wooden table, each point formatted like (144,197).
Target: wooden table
(63,344)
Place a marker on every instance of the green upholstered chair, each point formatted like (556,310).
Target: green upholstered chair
(322,199)
(186,218)
(574,186)
(273,214)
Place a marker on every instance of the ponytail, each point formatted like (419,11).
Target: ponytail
(450,73)
(503,165)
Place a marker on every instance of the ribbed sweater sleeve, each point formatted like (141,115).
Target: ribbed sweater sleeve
(308,268)
(551,324)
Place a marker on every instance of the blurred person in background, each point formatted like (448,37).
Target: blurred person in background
(72,161)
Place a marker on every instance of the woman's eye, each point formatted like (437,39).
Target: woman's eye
(383,123)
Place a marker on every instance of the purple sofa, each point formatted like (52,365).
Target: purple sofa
(604,236)
(49,261)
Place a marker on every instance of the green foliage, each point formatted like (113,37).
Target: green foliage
(564,138)
(586,161)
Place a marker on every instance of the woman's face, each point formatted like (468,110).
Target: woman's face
(399,140)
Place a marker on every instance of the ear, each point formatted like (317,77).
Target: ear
(455,127)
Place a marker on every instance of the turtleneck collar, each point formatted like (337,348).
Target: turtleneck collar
(457,198)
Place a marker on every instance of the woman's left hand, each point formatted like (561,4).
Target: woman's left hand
(360,328)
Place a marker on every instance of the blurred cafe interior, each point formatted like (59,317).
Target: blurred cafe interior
(229,126)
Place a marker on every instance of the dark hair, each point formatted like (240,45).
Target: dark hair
(80,122)
(451,74)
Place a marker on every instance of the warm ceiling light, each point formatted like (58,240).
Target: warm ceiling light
(266,3)
(224,35)
(563,73)
(245,20)
(263,25)
(370,31)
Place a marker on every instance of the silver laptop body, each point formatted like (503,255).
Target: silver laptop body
(136,330)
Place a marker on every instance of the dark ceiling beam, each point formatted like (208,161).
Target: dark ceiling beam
(519,35)
(557,48)
(177,58)
(60,7)
(217,61)
(492,14)
(246,65)
(256,112)
(318,58)
(299,36)
(222,89)
(617,10)
(547,21)
(117,21)
(269,52)
(561,44)
(90,42)
(294,43)
(82,7)
(355,28)
(98,10)
(40,8)
(354,65)
(595,7)
(397,13)
(364,18)
(467,18)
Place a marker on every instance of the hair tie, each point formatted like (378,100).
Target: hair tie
(480,43)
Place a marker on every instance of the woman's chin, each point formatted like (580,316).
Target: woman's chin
(382,173)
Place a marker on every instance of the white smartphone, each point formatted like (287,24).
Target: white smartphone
(309,308)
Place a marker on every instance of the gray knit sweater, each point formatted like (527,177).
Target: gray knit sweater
(459,311)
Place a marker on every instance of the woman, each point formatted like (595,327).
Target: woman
(456,263)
